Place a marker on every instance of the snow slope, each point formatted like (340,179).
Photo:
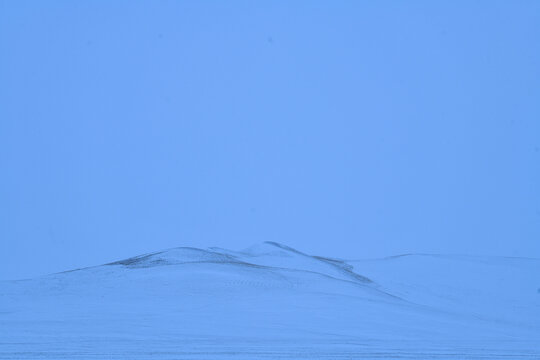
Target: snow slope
(274,302)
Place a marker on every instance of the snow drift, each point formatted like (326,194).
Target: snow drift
(272,301)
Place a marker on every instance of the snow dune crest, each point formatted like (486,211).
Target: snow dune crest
(268,254)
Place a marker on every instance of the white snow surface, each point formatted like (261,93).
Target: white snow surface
(274,302)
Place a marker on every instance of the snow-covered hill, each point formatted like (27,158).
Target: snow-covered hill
(273,302)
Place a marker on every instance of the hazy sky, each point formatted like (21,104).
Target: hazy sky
(345,128)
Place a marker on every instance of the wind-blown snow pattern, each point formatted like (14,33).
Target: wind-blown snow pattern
(274,302)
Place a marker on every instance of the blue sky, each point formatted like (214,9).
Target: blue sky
(345,128)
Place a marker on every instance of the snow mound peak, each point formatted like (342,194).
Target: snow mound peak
(268,254)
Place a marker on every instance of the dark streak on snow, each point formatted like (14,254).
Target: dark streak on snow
(154,259)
